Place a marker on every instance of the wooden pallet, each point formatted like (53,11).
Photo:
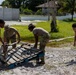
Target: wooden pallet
(20,54)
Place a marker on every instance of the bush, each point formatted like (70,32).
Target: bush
(39,12)
(21,10)
(27,11)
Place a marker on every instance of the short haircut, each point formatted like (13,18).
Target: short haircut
(2,21)
(74,25)
(31,26)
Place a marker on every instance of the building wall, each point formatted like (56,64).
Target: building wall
(15,14)
(9,14)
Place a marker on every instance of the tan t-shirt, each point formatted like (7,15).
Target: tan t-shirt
(10,32)
(41,32)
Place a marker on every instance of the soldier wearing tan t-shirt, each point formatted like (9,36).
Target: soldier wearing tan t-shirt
(10,35)
(44,38)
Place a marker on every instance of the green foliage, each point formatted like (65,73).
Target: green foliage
(30,4)
(39,12)
(15,3)
(5,3)
(21,10)
(27,11)
(68,6)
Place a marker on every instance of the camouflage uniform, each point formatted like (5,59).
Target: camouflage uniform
(10,35)
(44,38)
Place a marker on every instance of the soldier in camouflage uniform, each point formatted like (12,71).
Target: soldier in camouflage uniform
(10,35)
(44,38)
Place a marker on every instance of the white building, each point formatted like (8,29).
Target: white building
(9,13)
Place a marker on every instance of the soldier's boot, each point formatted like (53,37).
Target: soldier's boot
(42,60)
(37,59)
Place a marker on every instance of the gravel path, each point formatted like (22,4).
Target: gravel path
(59,61)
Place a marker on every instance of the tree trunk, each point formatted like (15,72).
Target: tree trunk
(53,24)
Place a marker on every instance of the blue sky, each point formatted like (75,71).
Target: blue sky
(1,1)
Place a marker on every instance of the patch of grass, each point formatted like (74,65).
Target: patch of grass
(69,20)
(62,43)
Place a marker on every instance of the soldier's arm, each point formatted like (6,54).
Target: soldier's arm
(1,40)
(17,33)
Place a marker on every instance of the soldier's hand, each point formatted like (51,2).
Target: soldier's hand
(5,44)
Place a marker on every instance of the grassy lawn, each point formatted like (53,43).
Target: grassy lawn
(62,43)
(65,30)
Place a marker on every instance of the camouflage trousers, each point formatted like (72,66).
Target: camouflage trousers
(12,40)
(43,43)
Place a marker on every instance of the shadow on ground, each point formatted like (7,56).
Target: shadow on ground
(18,64)
(72,62)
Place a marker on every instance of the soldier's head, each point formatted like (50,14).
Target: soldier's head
(2,23)
(31,27)
(74,27)
(6,27)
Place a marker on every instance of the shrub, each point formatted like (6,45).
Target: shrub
(27,11)
(39,12)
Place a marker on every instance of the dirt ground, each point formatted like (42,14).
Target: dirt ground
(59,61)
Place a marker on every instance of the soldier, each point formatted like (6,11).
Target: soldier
(2,24)
(10,35)
(74,28)
(44,38)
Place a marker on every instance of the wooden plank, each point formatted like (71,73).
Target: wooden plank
(15,58)
(18,53)
(12,61)
(8,63)
(18,56)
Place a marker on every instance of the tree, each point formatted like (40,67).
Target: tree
(31,4)
(68,6)
(53,22)
(13,3)
(5,4)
